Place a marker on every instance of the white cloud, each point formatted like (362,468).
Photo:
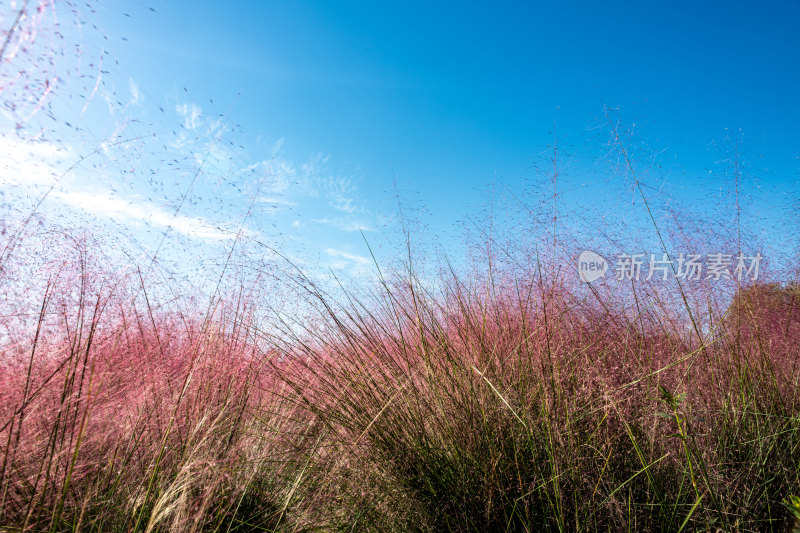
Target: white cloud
(343,224)
(312,170)
(340,191)
(31,164)
(355,226)
(106,205)
(136,93)
(276,200)
(190,114)
(352,258)
(287,182)
(353,265)
(282,175)
(35,166)
(277,147)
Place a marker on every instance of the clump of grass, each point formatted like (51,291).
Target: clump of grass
(508,407)
(504,402)
(122,418)
(520,409)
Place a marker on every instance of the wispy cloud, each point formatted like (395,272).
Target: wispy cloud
(288,184)
(276,201)
(312,192)
(340,192)
(136,93)
(32,167)
(107,205)
(347,261)
(190,113)
(344,224)
(31,164)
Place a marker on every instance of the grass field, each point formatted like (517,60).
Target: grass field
(488,404)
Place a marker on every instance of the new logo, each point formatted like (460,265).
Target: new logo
(591,266)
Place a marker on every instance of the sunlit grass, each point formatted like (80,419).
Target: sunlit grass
(514,406)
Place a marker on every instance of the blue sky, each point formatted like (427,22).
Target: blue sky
(335,105)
